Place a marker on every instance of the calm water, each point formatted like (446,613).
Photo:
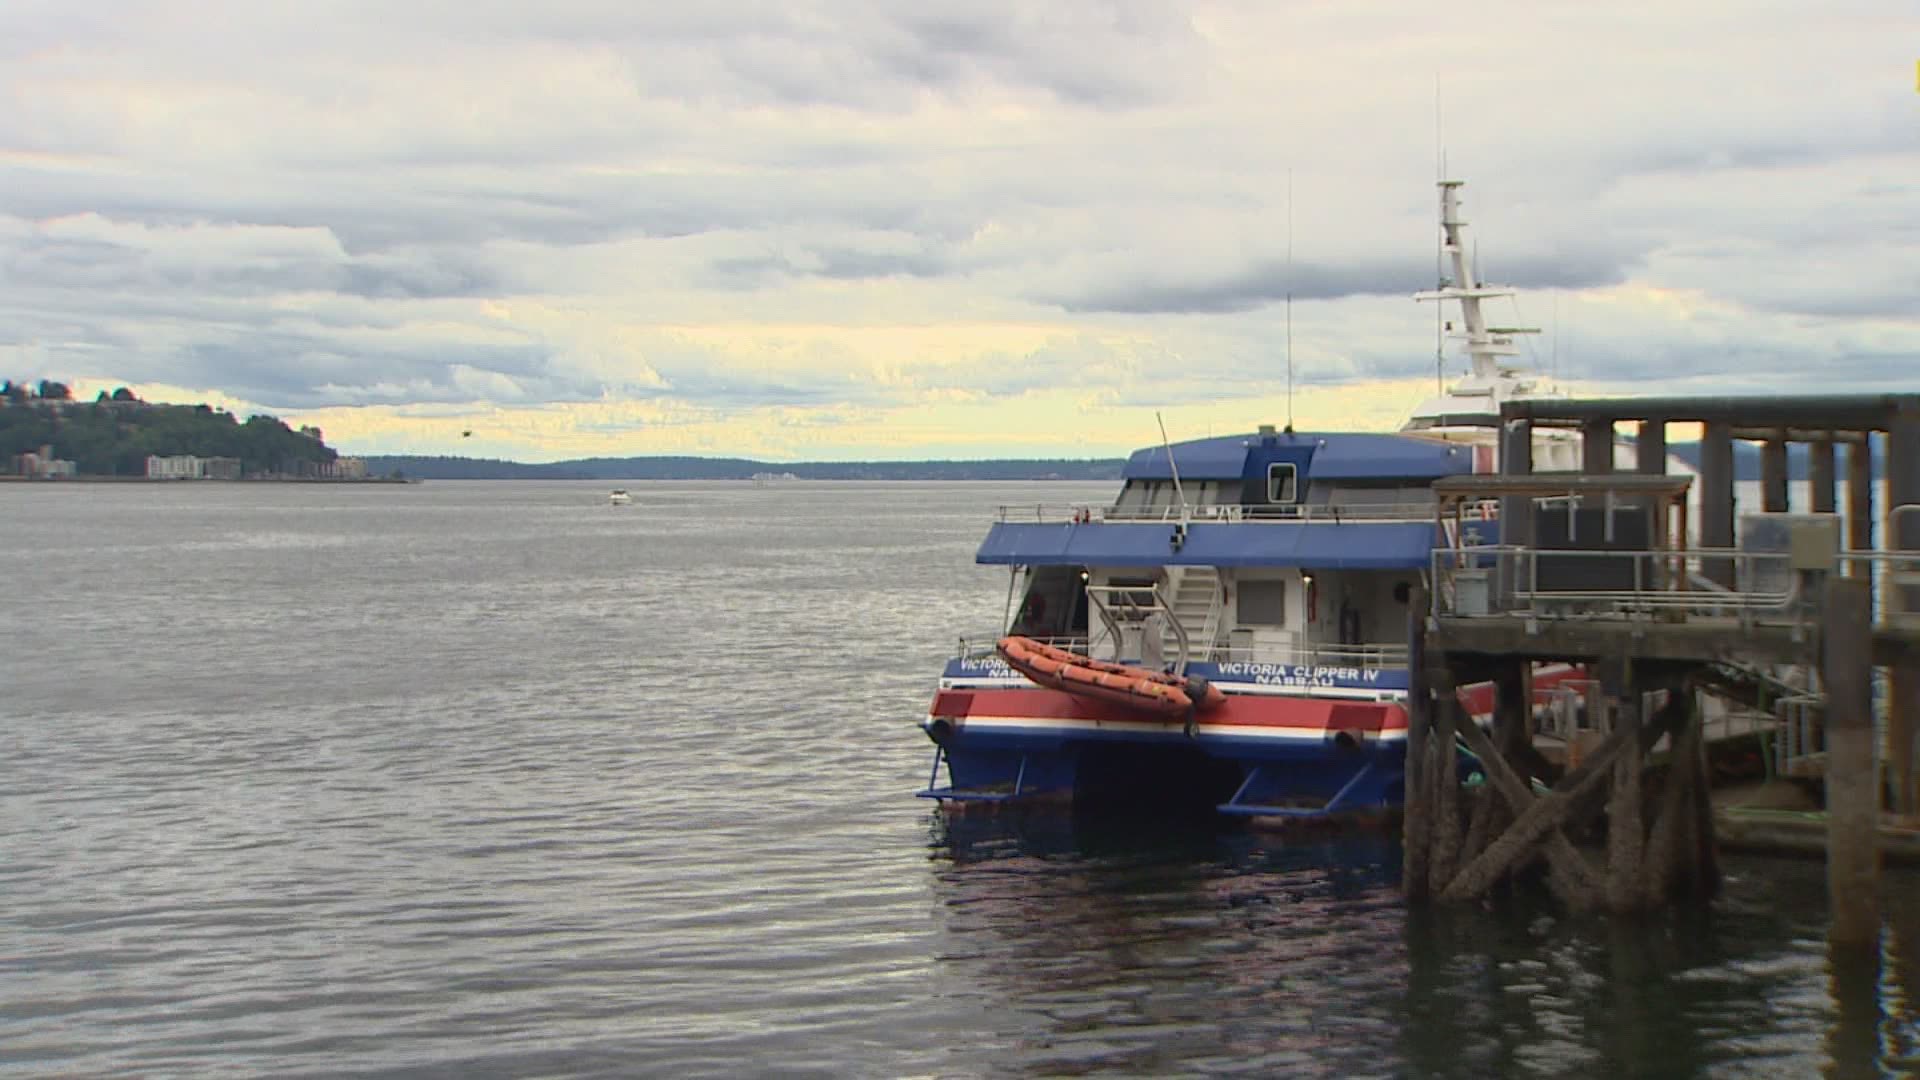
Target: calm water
(495,779)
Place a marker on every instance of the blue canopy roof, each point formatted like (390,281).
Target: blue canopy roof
(1391,545)
(1333,456)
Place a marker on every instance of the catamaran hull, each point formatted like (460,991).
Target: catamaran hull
(1255,755)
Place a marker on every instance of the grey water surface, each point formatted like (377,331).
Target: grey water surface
(485,779)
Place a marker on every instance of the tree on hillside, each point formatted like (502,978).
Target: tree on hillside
(123,394)
(54,391)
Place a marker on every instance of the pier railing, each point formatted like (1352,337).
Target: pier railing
(1335,513)
(1500,580)
(1366,657)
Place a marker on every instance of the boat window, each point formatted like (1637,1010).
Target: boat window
(1280,486)
(1262,603)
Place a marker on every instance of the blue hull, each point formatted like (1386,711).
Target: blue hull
(1250,777)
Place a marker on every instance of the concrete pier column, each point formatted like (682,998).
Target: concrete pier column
(1773,476)
(1596,447)
(1903,476)
(1650,448)
(1853,788)
(1820,476)
(1516,459)
(1650,459)
(1860,504)
(1716,498)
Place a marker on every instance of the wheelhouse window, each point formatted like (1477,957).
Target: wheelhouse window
(1280,483)
(1261,603)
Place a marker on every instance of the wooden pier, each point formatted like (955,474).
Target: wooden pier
(1595,569)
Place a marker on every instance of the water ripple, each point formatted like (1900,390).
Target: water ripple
(495,779)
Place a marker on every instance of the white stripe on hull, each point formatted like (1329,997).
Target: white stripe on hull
(1246,689)
(1250,731)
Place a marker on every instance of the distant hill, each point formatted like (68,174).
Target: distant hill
(704,468)
(114,434)
(1746,466)
(418,467)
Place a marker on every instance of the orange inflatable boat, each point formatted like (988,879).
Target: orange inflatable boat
(1121,684)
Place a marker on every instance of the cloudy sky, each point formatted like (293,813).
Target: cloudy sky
(854,229)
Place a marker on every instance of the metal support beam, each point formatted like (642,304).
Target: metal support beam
(1773,476)
(1716,498)
(1820,477)
(1853,789)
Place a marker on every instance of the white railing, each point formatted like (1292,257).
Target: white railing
(1506,581)
(1800,734)
(981,646)
(1337,513)
(1571,707)
(1368,657)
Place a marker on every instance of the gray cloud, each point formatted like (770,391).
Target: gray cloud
(1268,282)
(379,202)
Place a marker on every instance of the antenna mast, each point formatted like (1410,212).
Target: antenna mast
(1485,344)
(1289,300)
(1172,467)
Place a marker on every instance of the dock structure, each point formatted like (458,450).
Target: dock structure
(1800,619)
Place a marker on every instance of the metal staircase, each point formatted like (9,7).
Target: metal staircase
(1798,708)
(1197,604)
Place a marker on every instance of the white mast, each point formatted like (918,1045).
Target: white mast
(1484,344)
(1470,407)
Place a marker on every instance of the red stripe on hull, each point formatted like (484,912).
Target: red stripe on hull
(1245,710)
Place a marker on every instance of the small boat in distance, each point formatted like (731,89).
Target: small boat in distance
(619,497)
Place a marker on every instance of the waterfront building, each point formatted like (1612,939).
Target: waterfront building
(176,467)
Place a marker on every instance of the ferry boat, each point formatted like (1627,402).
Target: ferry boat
(1263,580)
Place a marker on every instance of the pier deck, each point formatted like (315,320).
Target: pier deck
(1805,626)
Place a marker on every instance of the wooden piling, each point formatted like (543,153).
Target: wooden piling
(1671,847)
(1555,809)
(1445,763)
(1853,789)
(1571,876)
(1626,835)
(1415,822)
